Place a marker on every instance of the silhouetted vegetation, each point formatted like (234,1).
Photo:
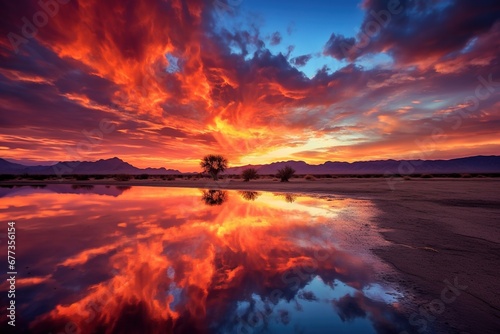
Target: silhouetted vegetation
(270,177)
(289,198)
(285,173)
(249,195)
(214,164)
(123,177)
(214,197)
(249,174)
(7,177)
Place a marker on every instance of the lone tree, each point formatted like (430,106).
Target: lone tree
(285,173)
(213,165)
(249,174)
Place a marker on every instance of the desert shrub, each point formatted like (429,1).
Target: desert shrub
(123,177)
(249,174)
(285,173)
(171,178)
(309,177)
(142,177)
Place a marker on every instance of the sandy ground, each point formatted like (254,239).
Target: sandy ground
(439,230)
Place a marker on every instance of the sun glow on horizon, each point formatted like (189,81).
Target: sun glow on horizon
(182,79)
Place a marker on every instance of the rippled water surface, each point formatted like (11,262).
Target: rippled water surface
(106,259)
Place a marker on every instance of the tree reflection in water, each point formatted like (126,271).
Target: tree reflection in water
(249,195)
(289,198)
(214,197)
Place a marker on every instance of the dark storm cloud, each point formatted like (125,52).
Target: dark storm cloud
(339,47)
(412,31)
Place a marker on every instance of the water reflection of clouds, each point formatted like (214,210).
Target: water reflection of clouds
(159,258)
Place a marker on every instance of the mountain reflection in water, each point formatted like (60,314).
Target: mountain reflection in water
(158,260)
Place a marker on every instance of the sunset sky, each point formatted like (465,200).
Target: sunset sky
(161,83)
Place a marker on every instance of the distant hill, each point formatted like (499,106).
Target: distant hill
(107,166)
(476,164)
(7,167)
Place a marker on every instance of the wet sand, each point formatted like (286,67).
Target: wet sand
(439,230)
